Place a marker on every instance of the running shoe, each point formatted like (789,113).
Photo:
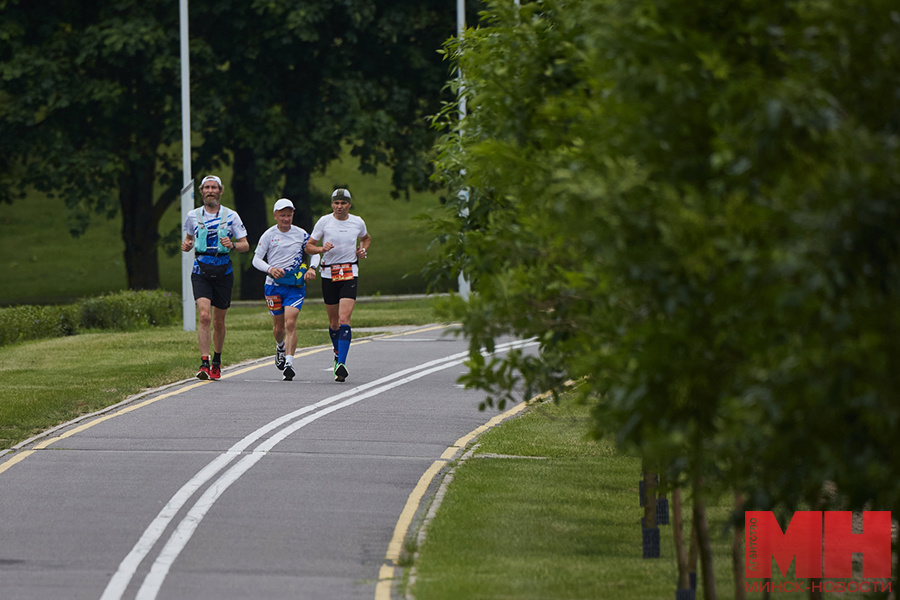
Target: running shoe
(340,372)
(203,373)
(288,372)
(334,363)
(279,359)
(215,372)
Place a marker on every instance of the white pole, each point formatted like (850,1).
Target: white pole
(462,282)
(187,192)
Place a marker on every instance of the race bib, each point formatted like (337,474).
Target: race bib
(342,272)
(274,302)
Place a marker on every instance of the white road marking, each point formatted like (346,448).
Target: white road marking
(185,529)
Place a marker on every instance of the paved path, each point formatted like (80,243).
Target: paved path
(248,487)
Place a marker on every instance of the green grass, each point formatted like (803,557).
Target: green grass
(565,525)
(49,266)
(94,370)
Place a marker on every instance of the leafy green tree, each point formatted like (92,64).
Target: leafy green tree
(694,208)
(289,86)
(86,93)
(90,104)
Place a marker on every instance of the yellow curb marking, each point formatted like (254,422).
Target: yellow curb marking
(386,572)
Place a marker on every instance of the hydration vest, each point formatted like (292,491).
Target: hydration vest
(203,233)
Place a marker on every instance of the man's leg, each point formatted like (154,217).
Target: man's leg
(289,329)
(218,335)
(345,311)
(333,311)
(204,318)
(334,325)
(289,334)
(278,334)
(278,328)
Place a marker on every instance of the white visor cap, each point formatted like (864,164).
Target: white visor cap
(211,178)
(340,193)
(283,203)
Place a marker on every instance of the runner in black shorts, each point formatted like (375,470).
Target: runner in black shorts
(212,232)
(344,241)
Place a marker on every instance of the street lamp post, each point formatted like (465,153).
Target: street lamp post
(187,191)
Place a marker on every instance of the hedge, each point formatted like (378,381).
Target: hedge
(119,311)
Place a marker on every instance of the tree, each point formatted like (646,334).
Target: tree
(90,104)
(85,108)
(307,80)
(694,208)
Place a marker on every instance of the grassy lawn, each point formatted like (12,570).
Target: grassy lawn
(48,382)
(542,511)
(49,266)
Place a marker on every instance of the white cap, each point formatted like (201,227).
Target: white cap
(340,193)
(283,203)
(211,178)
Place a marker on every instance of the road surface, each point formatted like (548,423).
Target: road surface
(247,487)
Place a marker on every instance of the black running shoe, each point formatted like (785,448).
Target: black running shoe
(279,359)
(340,372)
(288,372)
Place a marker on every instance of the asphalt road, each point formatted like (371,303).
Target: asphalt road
(245,488)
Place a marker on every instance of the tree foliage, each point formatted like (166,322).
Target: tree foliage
(86,95)
(90,104)
(287,87)
(694,207)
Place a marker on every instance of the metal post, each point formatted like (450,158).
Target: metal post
(187,192)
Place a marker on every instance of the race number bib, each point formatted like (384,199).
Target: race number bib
(274,302)
(342,272)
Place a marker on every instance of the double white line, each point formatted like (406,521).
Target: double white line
(282,428)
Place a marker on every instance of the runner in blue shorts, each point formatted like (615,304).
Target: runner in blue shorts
(281,254)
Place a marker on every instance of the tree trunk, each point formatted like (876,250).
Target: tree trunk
(681,559)
(693,554)
(139,225)
(651,482)
(250,203)
(296,188)
(706,558)
(737,549)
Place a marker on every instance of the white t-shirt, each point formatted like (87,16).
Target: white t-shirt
(284,250)
(343,234)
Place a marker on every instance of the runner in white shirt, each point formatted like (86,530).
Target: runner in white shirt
(339,234)
(281,255)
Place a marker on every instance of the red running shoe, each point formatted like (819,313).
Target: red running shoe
(215,372)
(203,373)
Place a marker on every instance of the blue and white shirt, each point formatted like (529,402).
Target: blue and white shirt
(235,228)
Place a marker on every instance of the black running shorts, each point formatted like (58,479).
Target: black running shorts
(333,291)
(218,291)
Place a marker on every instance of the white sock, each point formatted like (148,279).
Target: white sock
(289,359)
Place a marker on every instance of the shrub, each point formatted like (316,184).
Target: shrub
(129,310)
(21,323)
(117,311)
